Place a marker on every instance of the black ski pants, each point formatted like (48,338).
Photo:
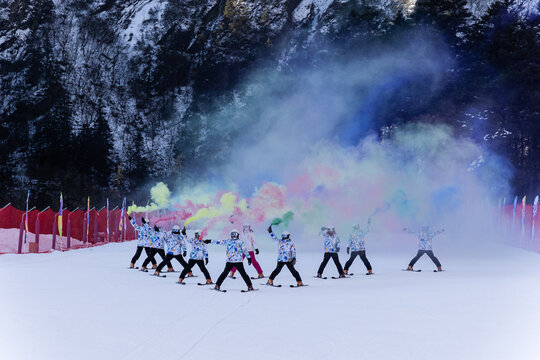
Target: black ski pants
(240,267)
(190,264)
(291,268)
(151,256)
(137,254)
(327,257)
(168,259)
(422,252)
(354,254)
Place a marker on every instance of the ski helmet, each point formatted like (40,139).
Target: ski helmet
(175,229)
(246,228)
(197,232)
(285,235)
(235,234)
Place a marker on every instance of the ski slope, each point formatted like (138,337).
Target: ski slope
(86,304)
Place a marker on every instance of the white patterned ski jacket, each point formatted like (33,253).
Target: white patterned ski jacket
(357,240)
(157,239)
(425,238)
(331,242)
(286,248)
(235,249)
(198,249)
(176,243)
(142,233)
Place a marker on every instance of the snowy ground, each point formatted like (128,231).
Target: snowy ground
(85,304)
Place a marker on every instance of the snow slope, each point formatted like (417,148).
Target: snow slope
(85,304)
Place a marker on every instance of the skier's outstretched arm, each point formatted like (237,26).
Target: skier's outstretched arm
(220,242)
(272,235)
(134,224)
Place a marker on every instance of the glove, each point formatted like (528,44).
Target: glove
(293,261)
(143,221)
(348,250)
(156,228)
(129,217)
(184,253)
(184,231)
(338,249)
(249,261)
(207,241)
(256,251)
(206,261)
(269,229)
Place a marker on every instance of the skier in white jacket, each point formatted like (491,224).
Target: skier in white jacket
(236,250)
(249,239)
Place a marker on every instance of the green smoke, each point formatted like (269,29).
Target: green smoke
(285,219)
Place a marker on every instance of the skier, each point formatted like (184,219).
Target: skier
(425,246)
(357,247)
(176,248)
(236,249)
(197,256)
(331,249)
(142,240)
(286,257)
(156,247)
(249,240)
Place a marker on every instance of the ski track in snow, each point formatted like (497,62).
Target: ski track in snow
(217,323)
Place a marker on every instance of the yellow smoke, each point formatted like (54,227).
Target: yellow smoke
(161,198)
(161,195)
(227,205)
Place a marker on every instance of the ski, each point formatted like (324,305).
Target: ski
(133,268)
(145,270)
(337,277)
(161,276)
(231,277)
(192,276)
(181,283)
(438,270)
(411,270)
(218,290)
(272,285)
(297,286)
(370,273)
(249,290)
(255,278)
(322,278)
(203,284)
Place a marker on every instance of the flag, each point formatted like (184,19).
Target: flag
(535,210)
(514,211)
(26,217)
(121,222)
(87,218)
(523,203)
(60,216)
(107,219)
